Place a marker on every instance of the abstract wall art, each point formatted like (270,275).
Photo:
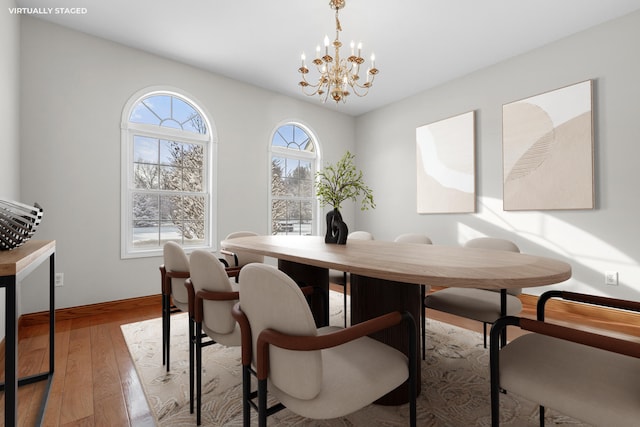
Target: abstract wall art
(548,150)
(445,154)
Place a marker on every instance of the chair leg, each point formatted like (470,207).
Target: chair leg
(168,337)
(164,329)
(484,329)
(198,341)
(246,396)
(423,295)
(494,374)
(262,403)
(541,416)
(192,343)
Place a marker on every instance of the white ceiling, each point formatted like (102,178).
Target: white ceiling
(418,44)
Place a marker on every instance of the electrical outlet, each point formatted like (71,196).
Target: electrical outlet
(611,278)
(59,279)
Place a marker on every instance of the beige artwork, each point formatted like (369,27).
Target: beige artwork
(445,154)
(548,150)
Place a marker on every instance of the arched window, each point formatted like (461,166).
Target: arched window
(294,158)
(167,174)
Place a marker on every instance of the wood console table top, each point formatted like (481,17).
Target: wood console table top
(15,261)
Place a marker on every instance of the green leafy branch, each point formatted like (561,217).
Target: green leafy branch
(335,184)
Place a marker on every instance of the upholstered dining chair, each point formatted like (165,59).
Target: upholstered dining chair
(341,278)
(316,373)
(214,296)
(482,305)
(593,377)
(424,240)
(175,297)
(239,259)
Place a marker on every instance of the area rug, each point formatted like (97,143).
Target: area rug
(455,382)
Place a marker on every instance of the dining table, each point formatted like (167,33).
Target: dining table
(387,276)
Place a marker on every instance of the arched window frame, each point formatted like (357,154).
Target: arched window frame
(314,158)
(208,141)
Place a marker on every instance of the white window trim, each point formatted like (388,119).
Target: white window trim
(128,130)
(318,221)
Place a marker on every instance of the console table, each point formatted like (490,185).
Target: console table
(15,265)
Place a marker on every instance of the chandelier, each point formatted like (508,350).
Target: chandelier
(338,76)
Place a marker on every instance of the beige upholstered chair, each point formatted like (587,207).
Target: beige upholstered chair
(478,304)
(413,238)
(591,377)
(424,240)
(175,296)
(360,235)
(239,259)
(215,295)
(316,373)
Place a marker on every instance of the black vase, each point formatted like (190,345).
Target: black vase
(336,228)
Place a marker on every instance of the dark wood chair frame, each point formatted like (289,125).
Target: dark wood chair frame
(539,326)
(270,337)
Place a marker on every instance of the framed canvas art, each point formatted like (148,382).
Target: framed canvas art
(445,160)
(548,150)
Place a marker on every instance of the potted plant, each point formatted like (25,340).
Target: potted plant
(335,184)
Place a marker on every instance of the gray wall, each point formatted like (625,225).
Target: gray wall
(74,88)
(9,119)
(593,241)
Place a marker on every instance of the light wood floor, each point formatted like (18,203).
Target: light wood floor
(95,382)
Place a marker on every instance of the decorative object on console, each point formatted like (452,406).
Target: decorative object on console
(338,76)
(445,157)
(548,150)
(18,223)
(334,185)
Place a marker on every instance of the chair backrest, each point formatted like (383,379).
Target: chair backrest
(272,300)
(413,238)
(498,245)
(208,273)
(360,235)
(175,259)
(244,258)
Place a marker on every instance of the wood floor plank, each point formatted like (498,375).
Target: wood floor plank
(111,411)
(77,398)
(54,405)
(137,405)
(105,370)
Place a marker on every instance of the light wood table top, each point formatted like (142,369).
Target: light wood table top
(16,261)
(436,265)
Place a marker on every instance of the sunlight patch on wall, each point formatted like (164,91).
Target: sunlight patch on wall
(546,235)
